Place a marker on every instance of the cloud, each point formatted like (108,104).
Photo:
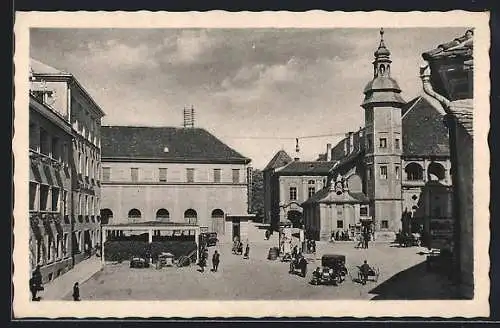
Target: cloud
(117,55)
(189,46)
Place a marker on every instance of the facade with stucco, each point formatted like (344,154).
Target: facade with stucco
(170,185)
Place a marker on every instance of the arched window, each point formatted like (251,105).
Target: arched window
(134,214)
(217,213)
(436,171)
(162,214)
(106,214)
(190,216)
(414,172)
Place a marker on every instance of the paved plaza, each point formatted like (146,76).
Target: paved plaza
(402,276)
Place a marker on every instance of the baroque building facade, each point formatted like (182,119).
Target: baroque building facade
(398,165)
(169,175)
(65,131)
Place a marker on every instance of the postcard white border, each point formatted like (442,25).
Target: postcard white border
(479,306)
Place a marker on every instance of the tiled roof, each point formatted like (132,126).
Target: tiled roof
(169,144)
(424,132)
(306,168)
(462,110)
(41,68)
(326,195)
(460,47)
(281,158)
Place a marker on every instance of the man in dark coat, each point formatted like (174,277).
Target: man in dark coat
(35,283)
(215,261)
(247,252)
(76,292)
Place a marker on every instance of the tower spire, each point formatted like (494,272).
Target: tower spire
(382,63)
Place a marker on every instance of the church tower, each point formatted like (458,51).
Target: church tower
(382,105)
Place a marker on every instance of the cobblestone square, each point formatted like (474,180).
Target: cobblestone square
(260,279)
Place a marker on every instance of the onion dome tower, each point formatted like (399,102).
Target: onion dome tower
(383,150)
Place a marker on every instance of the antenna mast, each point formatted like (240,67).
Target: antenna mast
(189,117)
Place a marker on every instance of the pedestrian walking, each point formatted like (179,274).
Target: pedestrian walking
(35,283)
(313,244)
(247,252)
(215,261)
(367,238)
(76,292)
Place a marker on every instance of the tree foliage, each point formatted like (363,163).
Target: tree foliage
(257,194)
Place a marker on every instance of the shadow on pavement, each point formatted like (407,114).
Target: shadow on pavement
(415,283)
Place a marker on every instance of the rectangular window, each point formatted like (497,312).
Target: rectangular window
(33,190)
(383,172)
(44,197)
(56,154)
(340,211)
(134,174)
(293,193)
(50,251)
(55,200)
(396,171)
(363,211)
(106,173)
(162,174)
(396,143)
(58,247)
(86,206)
(190,175)
(311,191)
(65,245)
(384,224)
(236,176)
(65,154)
(383,143)
(217,175)
(340,224)
(34,137)
(44,142)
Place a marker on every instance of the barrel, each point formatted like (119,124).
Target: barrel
(273,253)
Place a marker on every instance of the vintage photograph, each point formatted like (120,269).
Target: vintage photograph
(250,164)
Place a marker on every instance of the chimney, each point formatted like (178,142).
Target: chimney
(328,152)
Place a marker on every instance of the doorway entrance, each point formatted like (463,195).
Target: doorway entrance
(236,228)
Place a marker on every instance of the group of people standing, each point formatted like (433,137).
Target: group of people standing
(340,235)
(363,239)
(204,259)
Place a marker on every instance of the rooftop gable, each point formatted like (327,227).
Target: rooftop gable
(280,159)
(424,132)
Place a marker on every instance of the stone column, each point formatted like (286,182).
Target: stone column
(150,236)
(102,244)
(424,172)
(197,241)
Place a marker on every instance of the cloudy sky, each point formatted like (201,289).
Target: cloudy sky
(256,89)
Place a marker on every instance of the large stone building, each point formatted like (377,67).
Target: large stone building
(64,181)
(399,156)
(447,76)
(171,175)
